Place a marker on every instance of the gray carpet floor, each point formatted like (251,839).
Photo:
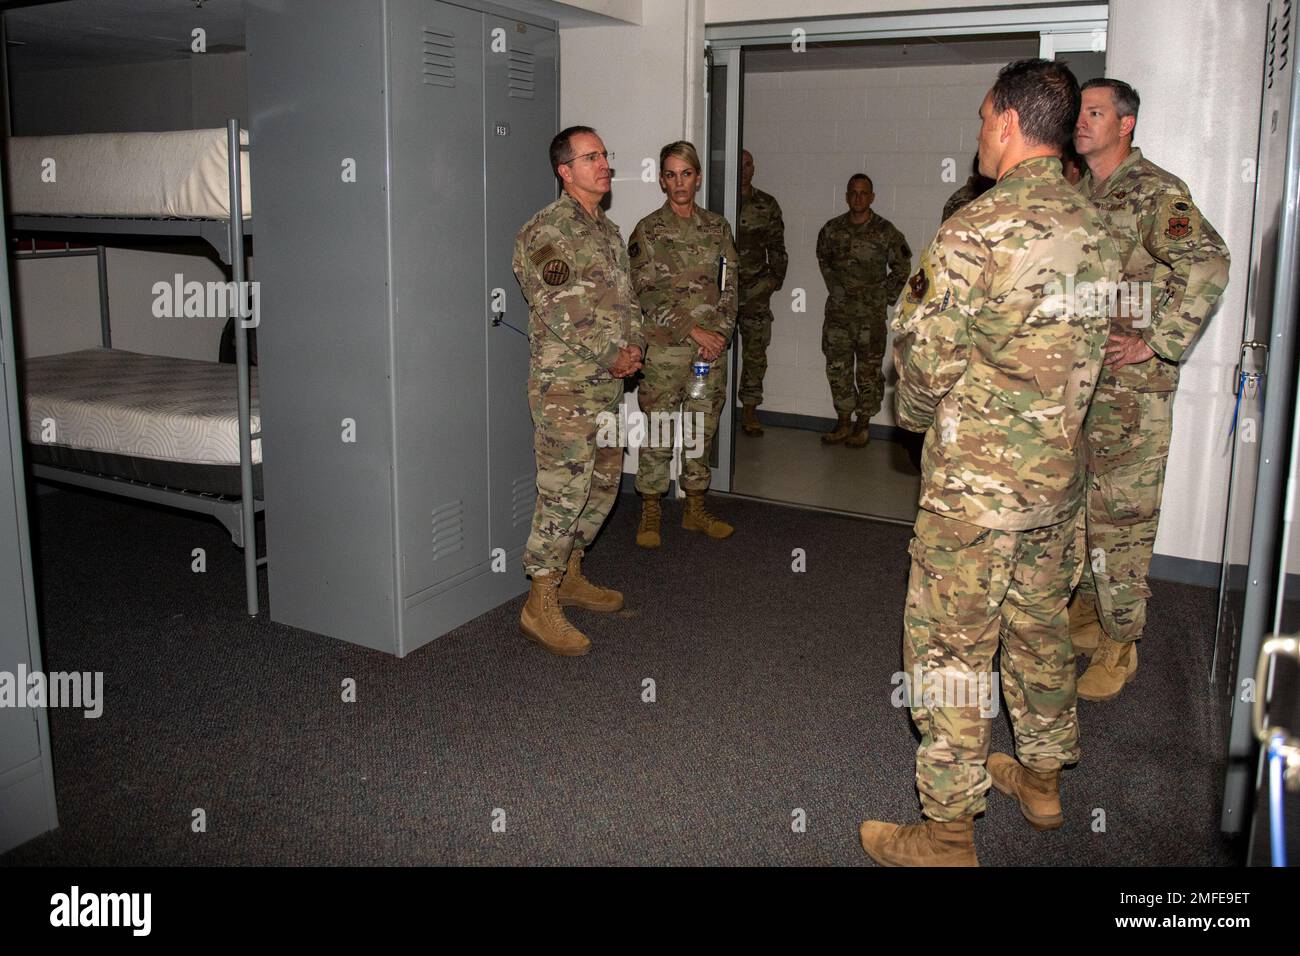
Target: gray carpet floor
(773,695)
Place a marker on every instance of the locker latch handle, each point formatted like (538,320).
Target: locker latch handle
(1255,377)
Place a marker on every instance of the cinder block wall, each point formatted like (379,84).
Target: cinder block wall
(809,131)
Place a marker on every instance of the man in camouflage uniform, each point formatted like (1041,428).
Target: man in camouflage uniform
(1175,270)
(996,363)
(865,261)
(584,330)
(760,234)
(684,273)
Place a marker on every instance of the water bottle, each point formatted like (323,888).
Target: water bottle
(699,379)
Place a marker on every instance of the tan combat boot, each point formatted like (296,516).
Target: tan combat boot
(647,532)
(577,591)
(861,434)
(1085,628)
(697,518)
(841,431)
(544,622)
(749,422)
(928,843)
(1039,793)
(1113,665)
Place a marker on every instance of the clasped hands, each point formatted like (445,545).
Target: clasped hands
(712,344)
(628,362)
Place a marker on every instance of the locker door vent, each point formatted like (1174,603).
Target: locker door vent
(448,524)
(439,58)
(1271,54)
(521,83)
(1284,54)
(523,500)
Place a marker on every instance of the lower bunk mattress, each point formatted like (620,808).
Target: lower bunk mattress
(152,418)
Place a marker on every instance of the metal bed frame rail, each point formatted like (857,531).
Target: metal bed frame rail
(228,240)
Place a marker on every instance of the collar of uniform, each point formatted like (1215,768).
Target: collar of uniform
(580,211)
(666,210)
(1106,185)
(1035,167)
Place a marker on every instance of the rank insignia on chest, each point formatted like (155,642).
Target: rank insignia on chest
(555,272)
(634,250)
(1180,227)
(917,286)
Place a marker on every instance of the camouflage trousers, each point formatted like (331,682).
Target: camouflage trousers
(845,338)
(754,322)
(667,375)
(970,590)
(1128,437)
(577,481)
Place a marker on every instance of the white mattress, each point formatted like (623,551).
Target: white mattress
(178,174)
(146,406)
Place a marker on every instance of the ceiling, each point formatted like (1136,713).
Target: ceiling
(919,51)
(90,32)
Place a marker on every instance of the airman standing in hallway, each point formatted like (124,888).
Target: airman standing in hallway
(584,329)
(996,364)
(763,263)
(684,274)
(865,261)
(1175,270)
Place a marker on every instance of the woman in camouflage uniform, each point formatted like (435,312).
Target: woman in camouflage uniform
(684,273)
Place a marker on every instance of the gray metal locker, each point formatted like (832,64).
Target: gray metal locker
(397,149)
(27,805)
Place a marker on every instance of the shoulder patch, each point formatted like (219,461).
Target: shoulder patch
(541,255)
(555,272)
(918,285)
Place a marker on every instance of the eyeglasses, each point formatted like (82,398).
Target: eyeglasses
(590,158)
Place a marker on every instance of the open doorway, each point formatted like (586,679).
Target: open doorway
(904,112)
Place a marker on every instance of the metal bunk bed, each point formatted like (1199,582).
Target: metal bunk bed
(227,238)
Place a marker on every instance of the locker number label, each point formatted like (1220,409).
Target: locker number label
(503,129)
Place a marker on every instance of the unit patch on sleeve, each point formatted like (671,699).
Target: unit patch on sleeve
(555,272)
(917,285)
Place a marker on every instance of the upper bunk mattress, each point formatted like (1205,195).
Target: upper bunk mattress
(178,174)
(143,406)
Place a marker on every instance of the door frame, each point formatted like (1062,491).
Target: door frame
(1061,29)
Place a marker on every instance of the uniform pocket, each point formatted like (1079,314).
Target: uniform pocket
(945,534)
(951,578)
(1129,494)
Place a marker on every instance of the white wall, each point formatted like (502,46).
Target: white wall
(1200,94)
(56,302)
(58,305)
(809,130)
